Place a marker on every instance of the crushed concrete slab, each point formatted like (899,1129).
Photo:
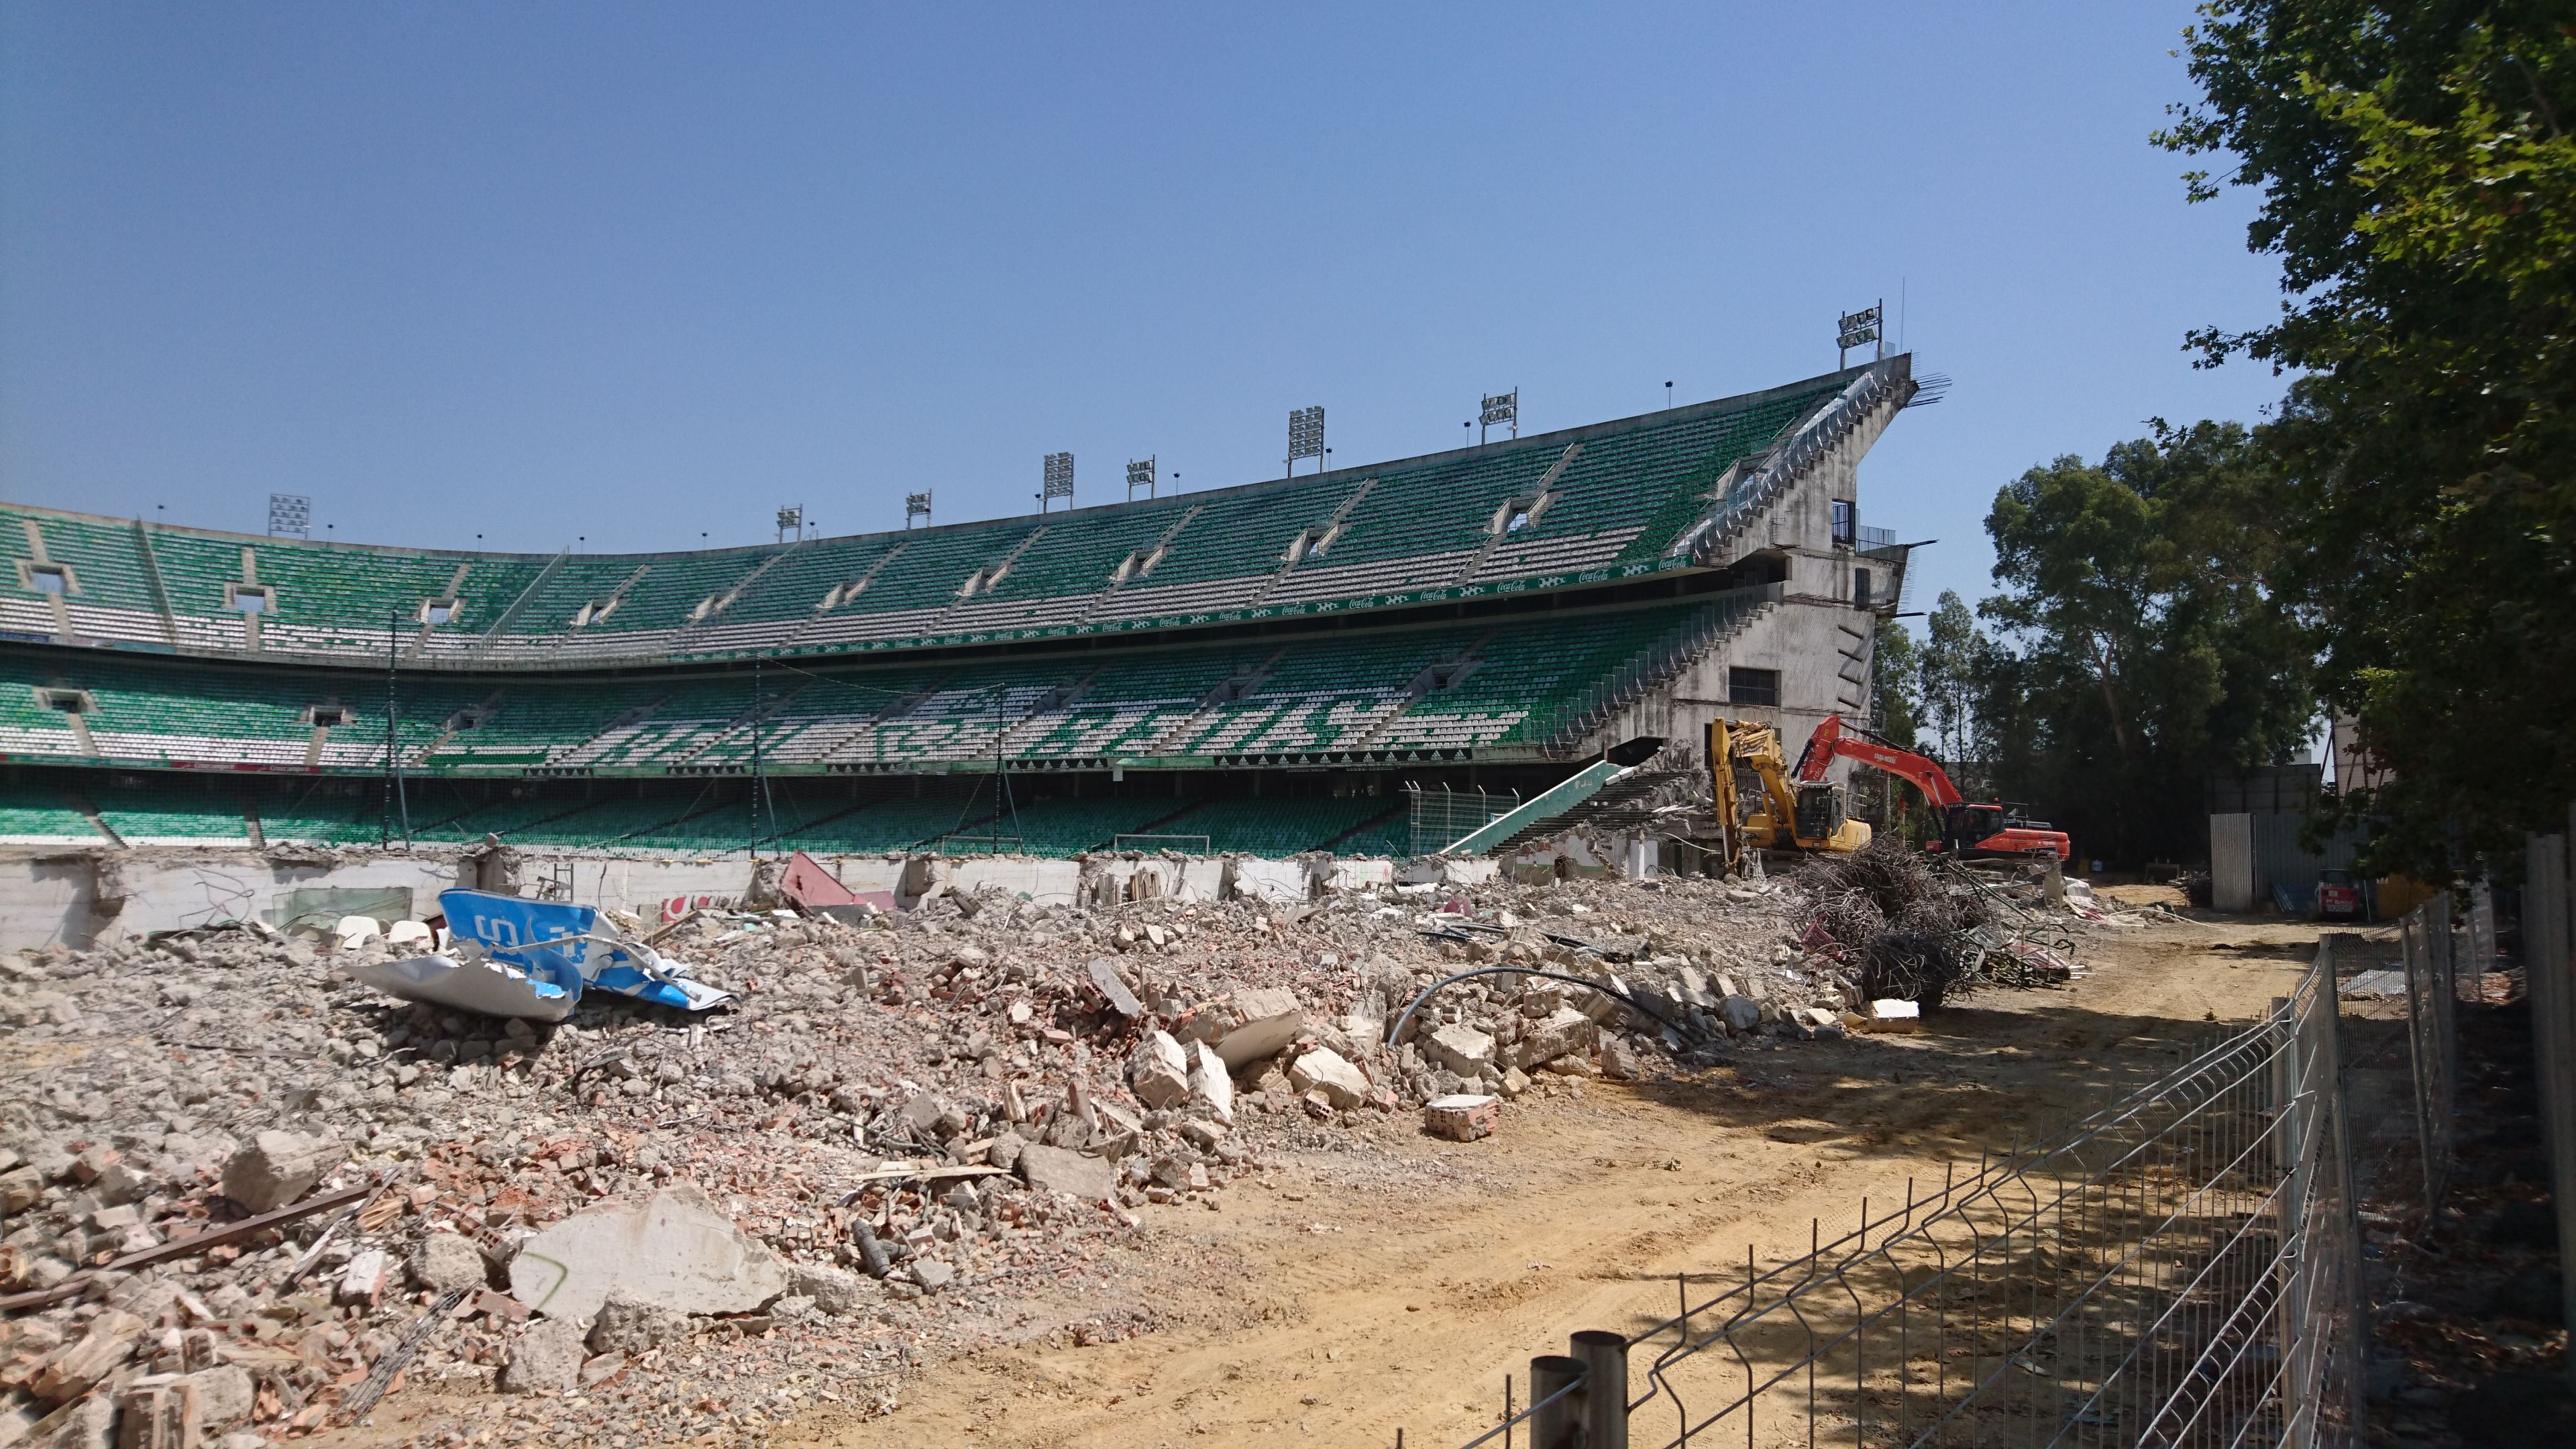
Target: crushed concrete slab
(279,1167)
(445,1261)
(1159,1071)
(1258,1022)
(672,1248)
(1461,1049)
(547,1358)
(1327,1071)
(1064,1170)
(1211,1083)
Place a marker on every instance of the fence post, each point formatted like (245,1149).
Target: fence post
(2549,960)
(1604,1356)
(1556,1419)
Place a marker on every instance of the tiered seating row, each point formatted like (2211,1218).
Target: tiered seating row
(1619,500)
(1445,689)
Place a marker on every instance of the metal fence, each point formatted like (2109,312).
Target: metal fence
(2549,964)
(1443,816)
(2432,1034)
(2181,1268)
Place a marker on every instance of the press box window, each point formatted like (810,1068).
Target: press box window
(1845,524)
(1752,686)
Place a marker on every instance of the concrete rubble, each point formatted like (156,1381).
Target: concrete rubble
(903,1129)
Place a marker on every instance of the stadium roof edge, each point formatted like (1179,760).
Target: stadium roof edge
(1686,412)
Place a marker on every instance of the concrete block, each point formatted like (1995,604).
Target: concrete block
(1159,1071)
(1462,1117)
(1890,1015)
(1462,1049)
(1211,1083)
(1740,1013)
(1259,1022)
(446,1261)
(1325,1070)
(627,1326)
(363,1281)
(546,1358)
(279,1167)
(672,1248)
(1066,1171)
(1562,1031)
(225,1395)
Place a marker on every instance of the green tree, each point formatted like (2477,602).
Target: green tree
(2418,183)
(1951,672)
(2147,649)
(1894,668)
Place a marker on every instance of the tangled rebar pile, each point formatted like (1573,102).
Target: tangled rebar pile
(1887,911)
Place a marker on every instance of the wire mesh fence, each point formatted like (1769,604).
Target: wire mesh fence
(1444,815)
(2549,961)
(2181,1268)
(2432,1022)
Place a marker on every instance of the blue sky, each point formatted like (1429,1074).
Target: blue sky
(632,274)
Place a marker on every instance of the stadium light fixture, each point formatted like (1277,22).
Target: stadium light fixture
(1859,329)
(1499,408)
(790,520)
(1305,437)
(916,505)
(1059,481)
(1140,473)
(290,515)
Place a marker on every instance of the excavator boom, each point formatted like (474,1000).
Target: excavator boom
(1985,830)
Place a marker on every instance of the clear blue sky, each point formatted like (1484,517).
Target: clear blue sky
(638,272)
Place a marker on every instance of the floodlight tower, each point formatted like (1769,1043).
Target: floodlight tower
(791,520)
(1499,408)
(290,515)
(916,505)
(1059,481)
(1140,474)
(1305,437)
(1859,329)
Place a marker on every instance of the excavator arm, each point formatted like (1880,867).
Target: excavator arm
(1829,742)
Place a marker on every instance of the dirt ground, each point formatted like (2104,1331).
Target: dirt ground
(1326,1301)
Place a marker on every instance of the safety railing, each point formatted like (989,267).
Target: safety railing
(2179,1269)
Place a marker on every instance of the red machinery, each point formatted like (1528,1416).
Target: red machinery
(1967,830)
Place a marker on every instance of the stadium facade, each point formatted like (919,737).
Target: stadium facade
(1263,669)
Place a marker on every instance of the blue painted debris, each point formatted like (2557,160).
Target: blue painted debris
(533,959)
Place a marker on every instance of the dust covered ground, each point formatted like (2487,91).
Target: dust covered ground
(1393,1281)
(1285,1253)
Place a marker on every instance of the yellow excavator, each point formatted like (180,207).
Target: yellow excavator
(1791,815)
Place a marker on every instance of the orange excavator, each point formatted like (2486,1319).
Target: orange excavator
(1970,831)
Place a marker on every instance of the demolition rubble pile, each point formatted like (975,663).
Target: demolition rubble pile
(246,1193)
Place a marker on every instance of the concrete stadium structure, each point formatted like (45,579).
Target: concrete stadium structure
(1262,669)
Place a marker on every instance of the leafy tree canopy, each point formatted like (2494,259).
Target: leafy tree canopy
(2139,649)
(2418,184)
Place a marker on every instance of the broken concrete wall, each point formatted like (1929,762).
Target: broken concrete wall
(1045,882)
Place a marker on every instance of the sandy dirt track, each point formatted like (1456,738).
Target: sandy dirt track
(1338,1299)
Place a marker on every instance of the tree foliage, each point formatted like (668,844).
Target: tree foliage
(2418,184)
(2139,649)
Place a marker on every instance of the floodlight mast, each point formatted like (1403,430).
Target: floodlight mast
(290,515)
(791,520)
(1059,481)
(1140,473)
(1860,329)
(916,505)
(1503,407)
(1305,437)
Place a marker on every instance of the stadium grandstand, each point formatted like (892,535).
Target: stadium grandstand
(1265,669)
